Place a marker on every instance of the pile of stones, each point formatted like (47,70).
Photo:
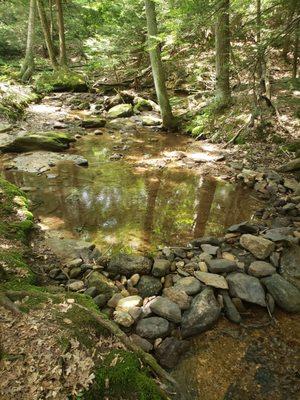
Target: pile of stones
(182,292)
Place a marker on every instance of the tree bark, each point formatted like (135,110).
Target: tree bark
(261,65)
(296,51)
(46,32)
(222,44)
(28,64)
(61,31)
(157,67)
(51,19)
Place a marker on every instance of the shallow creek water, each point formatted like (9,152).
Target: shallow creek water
(125,204)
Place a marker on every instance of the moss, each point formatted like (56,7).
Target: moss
(126,378)
(62,80)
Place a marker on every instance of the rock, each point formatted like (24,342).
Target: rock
(257,245)
(53,141)
(160,267)
(126,303)
(75,286)
(120,111)
(141,342)
(213,280)
(134,279)
(209,249)
(270,303)
(170,350)
(91,291)
(153,327)
(100,300)
(261,269)
(113,301)
(290,264)
(206,240)
(164,307)
(75,263)
(246,287)
(178,296)
(93,122)
(204,311)
(243,227)
(220,266)
(75,272)
(189,285)
(203,266)
(149,286)
(291,184)
(128,265)
(150,120)
(286,295)
(104,285)
(4,127)
(68,249)
(293,165)
(239,305)
(278,234)
(230,309)
(123,318)
(135,312)
(179,252)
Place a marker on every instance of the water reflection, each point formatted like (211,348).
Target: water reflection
(114,205)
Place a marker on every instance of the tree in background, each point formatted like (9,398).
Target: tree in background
(157,66)
(222,43)
(61,31)
(28,63)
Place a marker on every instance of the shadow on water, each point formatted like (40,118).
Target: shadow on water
(117,205)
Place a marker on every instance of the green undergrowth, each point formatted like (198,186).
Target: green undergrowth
(60,80)
(121,376)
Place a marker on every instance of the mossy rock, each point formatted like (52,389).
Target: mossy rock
(52,141)
(93,122)
(61,81)
(142,105)
(127,379)
(121,111)
(104,285)
(149,120)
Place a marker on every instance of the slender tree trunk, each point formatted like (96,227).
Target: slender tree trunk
(61,30)
(261,65)
(296,51)
(46,32)
(157,67)
(28,64)
(222,42)
(51,19)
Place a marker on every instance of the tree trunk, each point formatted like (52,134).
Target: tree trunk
(46,32)
(261,65)
(157,67)
(28,64)
(222,42)
(296,51)
(51,19)
(61,30)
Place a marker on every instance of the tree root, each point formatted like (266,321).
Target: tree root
(6,302)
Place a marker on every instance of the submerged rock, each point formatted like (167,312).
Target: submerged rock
(203,313)
(129,265)
(257,245)
(246,287)
(286,295)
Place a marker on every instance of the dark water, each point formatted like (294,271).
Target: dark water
(121,205)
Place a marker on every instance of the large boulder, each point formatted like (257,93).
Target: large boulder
(128,265)
(290,264)
(121,111)
(203,313)
(246,287)
(104,285)
(52,141)
(149,286)
(164,307)
(153,327)
(257,245)
(286,295)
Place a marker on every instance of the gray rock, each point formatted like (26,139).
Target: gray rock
(75,272)
(104,285)
(141,342)
(93,122)
(261,269)
(179,252)
(246,287)
(126,303)
(206,240)
(149,286)
(170,350)
(166,308)
(68,249)
(121,111)
(278,234)
(123,318)
(290,264)
(209,249)
(286,295)
(91,291)
(213,280)
(230,309)
(153,327)
(257,245)
(220,266)
(160,267)
(100,300)
(189,285)
(75,286)
(178,296)
(113,301)
(128,265)
(243,227)
(203,313)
